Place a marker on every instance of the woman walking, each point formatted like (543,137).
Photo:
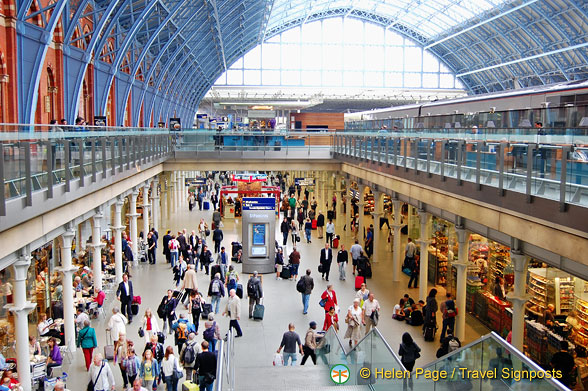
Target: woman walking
(87,341)
(150,371)
(168,367)
(409,352)
(354,320)
(195,307)
(150,325)
(431,309)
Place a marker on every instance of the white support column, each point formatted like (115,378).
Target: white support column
(21,309)
(170,196)
(396,250)
(424,260)
(97,253)
(461,265)
(67,282)
(117,229)
(145,206)
(133,215)
(360,210)
(518,298)
(179,192)
(155,208)
(378,199)
(349,213)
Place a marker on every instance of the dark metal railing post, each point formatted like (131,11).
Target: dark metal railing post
(28,180)
(387,140)
(50,168)
(103,144)
(428,158)
(500,150)
(2,183)
(459,161)
(415,145)
(113,155)
(563,180)
(121,141)
(406,141)
(81,153)
(66,165)
(443,148)
(528,181)
(479,146)
(93,144)
(395,141)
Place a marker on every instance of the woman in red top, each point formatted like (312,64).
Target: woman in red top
(331,319)
(330,297)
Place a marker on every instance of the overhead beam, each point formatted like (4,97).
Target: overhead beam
(562,50)
(485,21)
(220,34)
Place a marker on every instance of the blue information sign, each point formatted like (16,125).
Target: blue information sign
(259,203)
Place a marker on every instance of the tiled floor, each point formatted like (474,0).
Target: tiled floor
(283,303)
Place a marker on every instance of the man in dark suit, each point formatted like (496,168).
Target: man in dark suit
(183,244)
(326,259)
(124,293)
(217,238)
(166,239)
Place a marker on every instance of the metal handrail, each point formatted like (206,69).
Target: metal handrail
(508,347)
(220,366)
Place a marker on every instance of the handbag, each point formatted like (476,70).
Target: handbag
(178,374)
(323,302)
(375,317)
(141,332)
(92,384)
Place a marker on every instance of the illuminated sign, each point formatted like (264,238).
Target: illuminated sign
(249,177)
(259,203)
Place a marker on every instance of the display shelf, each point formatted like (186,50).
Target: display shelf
(549,286)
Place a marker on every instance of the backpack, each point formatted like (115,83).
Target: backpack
(251,291)
(301,285)
(181,332)
(189,354)
(215,286)
(452,345)
(450,309)
(209,333)
(233,277)
(173,244)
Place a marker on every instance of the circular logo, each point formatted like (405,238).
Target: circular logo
(339,374)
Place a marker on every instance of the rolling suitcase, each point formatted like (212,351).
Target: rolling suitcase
(235,247)
(286,272)
(239,291)
(368,270)
(258,311)
(189,386)
(160,337)
(109,347)
(330,215)
(429,332)
(206,205)
(206,309)
(314,223)
(358,281)
(135,309)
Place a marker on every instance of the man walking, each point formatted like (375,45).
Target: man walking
(223,260)
(233,310)
(190,283)
(342,260)
(310,344)
(449,313)
(216,290)
(124,294)
(284,229)
(371,309)
(151,248)
(306,286)
(217,238)
(325,261)
(289,342)
(356,251)
(369,241)
(166,238)
(205,366)
(254,292)
(330,232)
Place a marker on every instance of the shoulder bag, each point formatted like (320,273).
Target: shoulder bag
(92,384)
(178,374)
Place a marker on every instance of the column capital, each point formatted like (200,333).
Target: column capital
(458,265)
(133,215)
(25,309)
(135,193)
(423,216)
(119,202)
(146,205)
(99,245)
(376,214)
(423,242)
(66,270)
(117,228)
(397,226)
(462,234)
(520,261)
(21,266)
(517,300)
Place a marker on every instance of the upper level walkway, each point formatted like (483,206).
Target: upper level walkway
(505,182)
